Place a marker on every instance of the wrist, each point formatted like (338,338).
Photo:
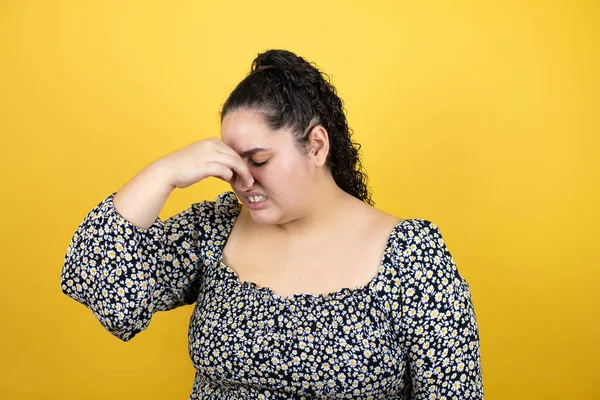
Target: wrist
(161,174)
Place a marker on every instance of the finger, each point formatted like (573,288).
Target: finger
(235,162)
(223,148)
(219,170)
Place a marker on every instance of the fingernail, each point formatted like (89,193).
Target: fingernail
(250,183)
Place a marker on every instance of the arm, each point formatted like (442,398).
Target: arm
(140,200)
(124,273)
(124,263)
(437,319)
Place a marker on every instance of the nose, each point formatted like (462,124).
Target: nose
(251,186)
(238,183)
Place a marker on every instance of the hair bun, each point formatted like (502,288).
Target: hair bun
(274,58)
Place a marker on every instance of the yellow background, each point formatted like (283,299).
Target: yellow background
(479,116)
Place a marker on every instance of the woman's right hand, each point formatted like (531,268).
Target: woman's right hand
(204,158)
(140,200)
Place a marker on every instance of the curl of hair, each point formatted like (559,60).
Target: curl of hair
(294,94)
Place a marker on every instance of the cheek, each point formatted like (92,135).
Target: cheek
(286,182)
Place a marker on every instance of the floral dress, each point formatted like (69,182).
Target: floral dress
(410,333)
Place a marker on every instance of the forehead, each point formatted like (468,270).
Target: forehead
(242,129)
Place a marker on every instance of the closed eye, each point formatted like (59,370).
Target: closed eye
(258,164)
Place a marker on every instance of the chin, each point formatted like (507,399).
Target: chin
(264,217)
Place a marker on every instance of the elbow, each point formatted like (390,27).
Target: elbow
(121,324)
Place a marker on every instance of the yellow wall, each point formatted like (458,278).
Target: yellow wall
(480,116)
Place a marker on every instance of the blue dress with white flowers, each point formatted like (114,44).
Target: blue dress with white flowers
(410,333)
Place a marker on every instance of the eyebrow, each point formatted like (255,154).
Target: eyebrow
(252,151)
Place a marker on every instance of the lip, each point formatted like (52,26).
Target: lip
(252,194)
(258,205)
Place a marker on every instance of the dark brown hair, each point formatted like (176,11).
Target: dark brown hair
(294,94)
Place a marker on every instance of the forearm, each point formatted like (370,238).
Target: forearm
(140,200)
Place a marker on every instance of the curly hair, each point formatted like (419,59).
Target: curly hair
(294,94)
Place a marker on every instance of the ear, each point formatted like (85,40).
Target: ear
(318,145)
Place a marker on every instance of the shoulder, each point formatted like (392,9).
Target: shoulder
(371,222)
(418,233)
(424,269)
(419,229)
(223,206)
(206,216)
(420,250)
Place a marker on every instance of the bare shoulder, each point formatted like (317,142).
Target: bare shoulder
(375,222)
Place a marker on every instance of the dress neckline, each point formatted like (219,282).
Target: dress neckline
(334,296)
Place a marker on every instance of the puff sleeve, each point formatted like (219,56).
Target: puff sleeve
(437,320)
(124,273)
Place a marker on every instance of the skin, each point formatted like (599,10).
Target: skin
(300,190)
(315,237)
(310,237)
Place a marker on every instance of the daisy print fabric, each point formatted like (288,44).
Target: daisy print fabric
(410,333)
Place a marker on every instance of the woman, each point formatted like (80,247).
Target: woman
(302,291)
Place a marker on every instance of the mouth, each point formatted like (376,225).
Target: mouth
(255,201)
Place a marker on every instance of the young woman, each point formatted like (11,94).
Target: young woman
(302,289)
